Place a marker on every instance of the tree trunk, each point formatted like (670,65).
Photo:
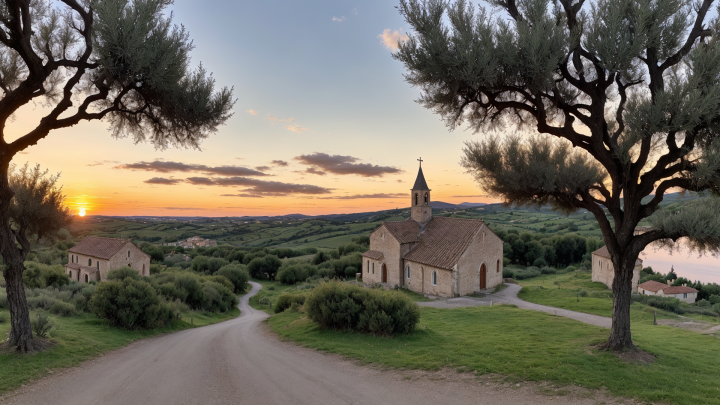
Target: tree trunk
(620,338)
(14,259)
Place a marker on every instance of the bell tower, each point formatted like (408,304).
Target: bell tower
(420,210)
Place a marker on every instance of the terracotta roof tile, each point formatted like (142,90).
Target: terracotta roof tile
(443,241)
(373,254)
(678,290)
(652,285)
(603,252)
(404,231)
(95,246)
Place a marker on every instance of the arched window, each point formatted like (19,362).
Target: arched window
(433,278)
(97,264)
(407,271)
(368,266)
(373,268)
(426,198)
(89,262)
(482,237)
(86,278)
(128,253)
(70,273)
(143,270)
(417,199)
(498,266)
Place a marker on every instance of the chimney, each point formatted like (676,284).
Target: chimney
(669,282)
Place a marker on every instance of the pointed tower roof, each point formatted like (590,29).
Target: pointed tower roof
(420,183)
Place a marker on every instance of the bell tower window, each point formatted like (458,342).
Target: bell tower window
(417,202)
(426,198)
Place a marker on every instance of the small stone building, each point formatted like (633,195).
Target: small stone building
(93,257)
(441,256)
(681,292)
(603,270)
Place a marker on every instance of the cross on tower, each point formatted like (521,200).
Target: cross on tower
(420,160)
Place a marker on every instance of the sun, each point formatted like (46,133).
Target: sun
(82,212)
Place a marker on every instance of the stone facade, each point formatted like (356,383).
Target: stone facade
(452,252)
(93,259)
(603,270)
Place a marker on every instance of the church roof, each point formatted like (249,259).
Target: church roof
(95,246)
(404,231)
(444,241)
(420,183)
(373,254)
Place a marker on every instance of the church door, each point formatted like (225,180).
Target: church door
(384,273)
(483,276)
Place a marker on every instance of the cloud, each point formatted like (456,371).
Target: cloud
(252,112)
(295,128)
(364,196)
(338,19)
(242,195)
(168,167)
(260,187)
(314,170)
(354,11)
(96,164)
(269,117)
(184,208)
(338,164)
(391,38)
(279,163)
(262,168)
(163,181)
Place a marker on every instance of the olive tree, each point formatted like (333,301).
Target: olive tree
(121,61)
(601,105)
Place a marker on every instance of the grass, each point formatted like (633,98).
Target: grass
(543,290)
(81,338)
(531,346)
(271,294)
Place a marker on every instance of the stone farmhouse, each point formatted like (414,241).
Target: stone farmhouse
(93,257)
(603,270)
(681,292)
(441,256)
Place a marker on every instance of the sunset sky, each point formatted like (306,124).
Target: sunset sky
(324,123)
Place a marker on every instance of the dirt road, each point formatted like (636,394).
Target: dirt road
(240,362)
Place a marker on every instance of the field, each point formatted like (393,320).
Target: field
(531,346)
(80,338)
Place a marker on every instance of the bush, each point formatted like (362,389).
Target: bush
(350,307)
(237,274)
(3,301)
(508,273)
(42,325)
(38,275)
(540,262)
(291,273)
(62,308)
(286,300)
(583,293)
(3,318)
(320,257)
(122,273)
(548,270)
(350,272)
(263,267)
(128,303)
(530,272)
(664,303)
(217,297)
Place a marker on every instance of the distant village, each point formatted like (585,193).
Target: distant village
(192,243)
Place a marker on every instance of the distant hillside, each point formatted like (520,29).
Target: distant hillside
(439,205)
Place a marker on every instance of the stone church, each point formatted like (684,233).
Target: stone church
(447,257)
(93,257)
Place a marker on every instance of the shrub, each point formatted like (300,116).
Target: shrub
(320,257)
(128,303)
(530,272)
(220,280)
(237,274)
(263,267)
(200,263)
(3,301)
(508,273)
(286,300)
(539,262)
(350,307)
(714,299)
(62,308)
(548,270)
(583,293)
(42,325)
(295,273)
(122,273)
(570,269)
(38,275)
(350,272)
(3,318)
(217,297)
(665,303)
(191,288)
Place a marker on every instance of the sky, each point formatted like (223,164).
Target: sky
(324,123)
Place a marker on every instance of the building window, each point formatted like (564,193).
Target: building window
(89,262)
(373,267)
(97,264)
(426,198)
(86,278)
(498,266)
(417,199)
(128,253)
(70,273)
(685,295)
(407,270)
(368,266)
(433,278)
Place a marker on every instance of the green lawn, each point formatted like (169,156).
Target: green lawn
(80,338)
(532,346)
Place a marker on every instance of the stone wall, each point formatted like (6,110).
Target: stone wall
(383,241)
(129,255)
(603,271)
(421,280)
(486,248)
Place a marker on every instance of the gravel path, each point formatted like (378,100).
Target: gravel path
(509,296)
(241,362)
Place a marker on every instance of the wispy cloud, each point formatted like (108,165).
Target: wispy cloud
(251,112)
(269,117)
(163,181)
(391,38)
(314,170)
(338,19)
(354,11)
(279,163)
(338,164)
(295,128)
(363,196)
(169,167)
(262,168)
